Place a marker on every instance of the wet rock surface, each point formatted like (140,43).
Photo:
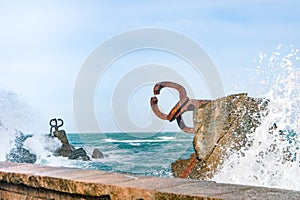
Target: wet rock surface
(221,126)
(79,154)
(97,154)
(19,154)
(67,150)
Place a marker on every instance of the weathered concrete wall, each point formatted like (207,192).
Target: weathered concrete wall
(29,181)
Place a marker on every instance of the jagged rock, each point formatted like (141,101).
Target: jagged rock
(61,135)
(221,126)
(79,154)
(66,149)
(20,155)
(97,153)
(20,138)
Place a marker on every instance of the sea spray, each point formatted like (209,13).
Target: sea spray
(273,159)
(43,146)
(15,113)
(7,141)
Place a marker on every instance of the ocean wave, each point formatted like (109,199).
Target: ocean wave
(273,158)
(166,137)
(140,141)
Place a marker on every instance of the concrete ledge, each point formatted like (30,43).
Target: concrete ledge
(29,181)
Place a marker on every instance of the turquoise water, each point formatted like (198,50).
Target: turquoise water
(148,154)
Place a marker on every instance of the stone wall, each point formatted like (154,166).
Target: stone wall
(29,181)
(20,191)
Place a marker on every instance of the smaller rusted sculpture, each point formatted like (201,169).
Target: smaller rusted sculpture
(55,123)
(184,104)
(66,149)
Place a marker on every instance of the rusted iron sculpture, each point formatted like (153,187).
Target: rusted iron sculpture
(55,123)
(221,126)
(184,104)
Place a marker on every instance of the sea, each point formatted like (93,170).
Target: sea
(273,159)
(145,154)
(149,154)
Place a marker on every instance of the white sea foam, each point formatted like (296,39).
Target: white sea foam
(137,141)
(109,140)
(274,158)
(166,137)
(42,146)
(7,141)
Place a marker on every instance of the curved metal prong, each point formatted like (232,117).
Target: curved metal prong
(179,88)
(156,110)
(177,109)
(189,106)
(61,123)
(184,104)
(55,123)
(182,101)
(183,127)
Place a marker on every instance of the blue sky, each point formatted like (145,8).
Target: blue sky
(45,43)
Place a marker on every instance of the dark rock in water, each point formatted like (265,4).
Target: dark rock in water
(20,138)
(20,155)
(66,149)
(61,135)
(79,154)
(221,126)
(97,153)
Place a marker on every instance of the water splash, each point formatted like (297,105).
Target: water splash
(15,115)
(274,158)
(42,146)
(14,112)
(7,142)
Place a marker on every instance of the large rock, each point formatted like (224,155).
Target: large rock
(67,150)
(221,126)
(79,154)
(97,154)
(19,154)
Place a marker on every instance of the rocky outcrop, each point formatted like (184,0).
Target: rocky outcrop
(221,126)
(97,154)
(79,154)
(19,154)
(67,150)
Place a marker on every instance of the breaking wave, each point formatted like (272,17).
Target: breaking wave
(274,157)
